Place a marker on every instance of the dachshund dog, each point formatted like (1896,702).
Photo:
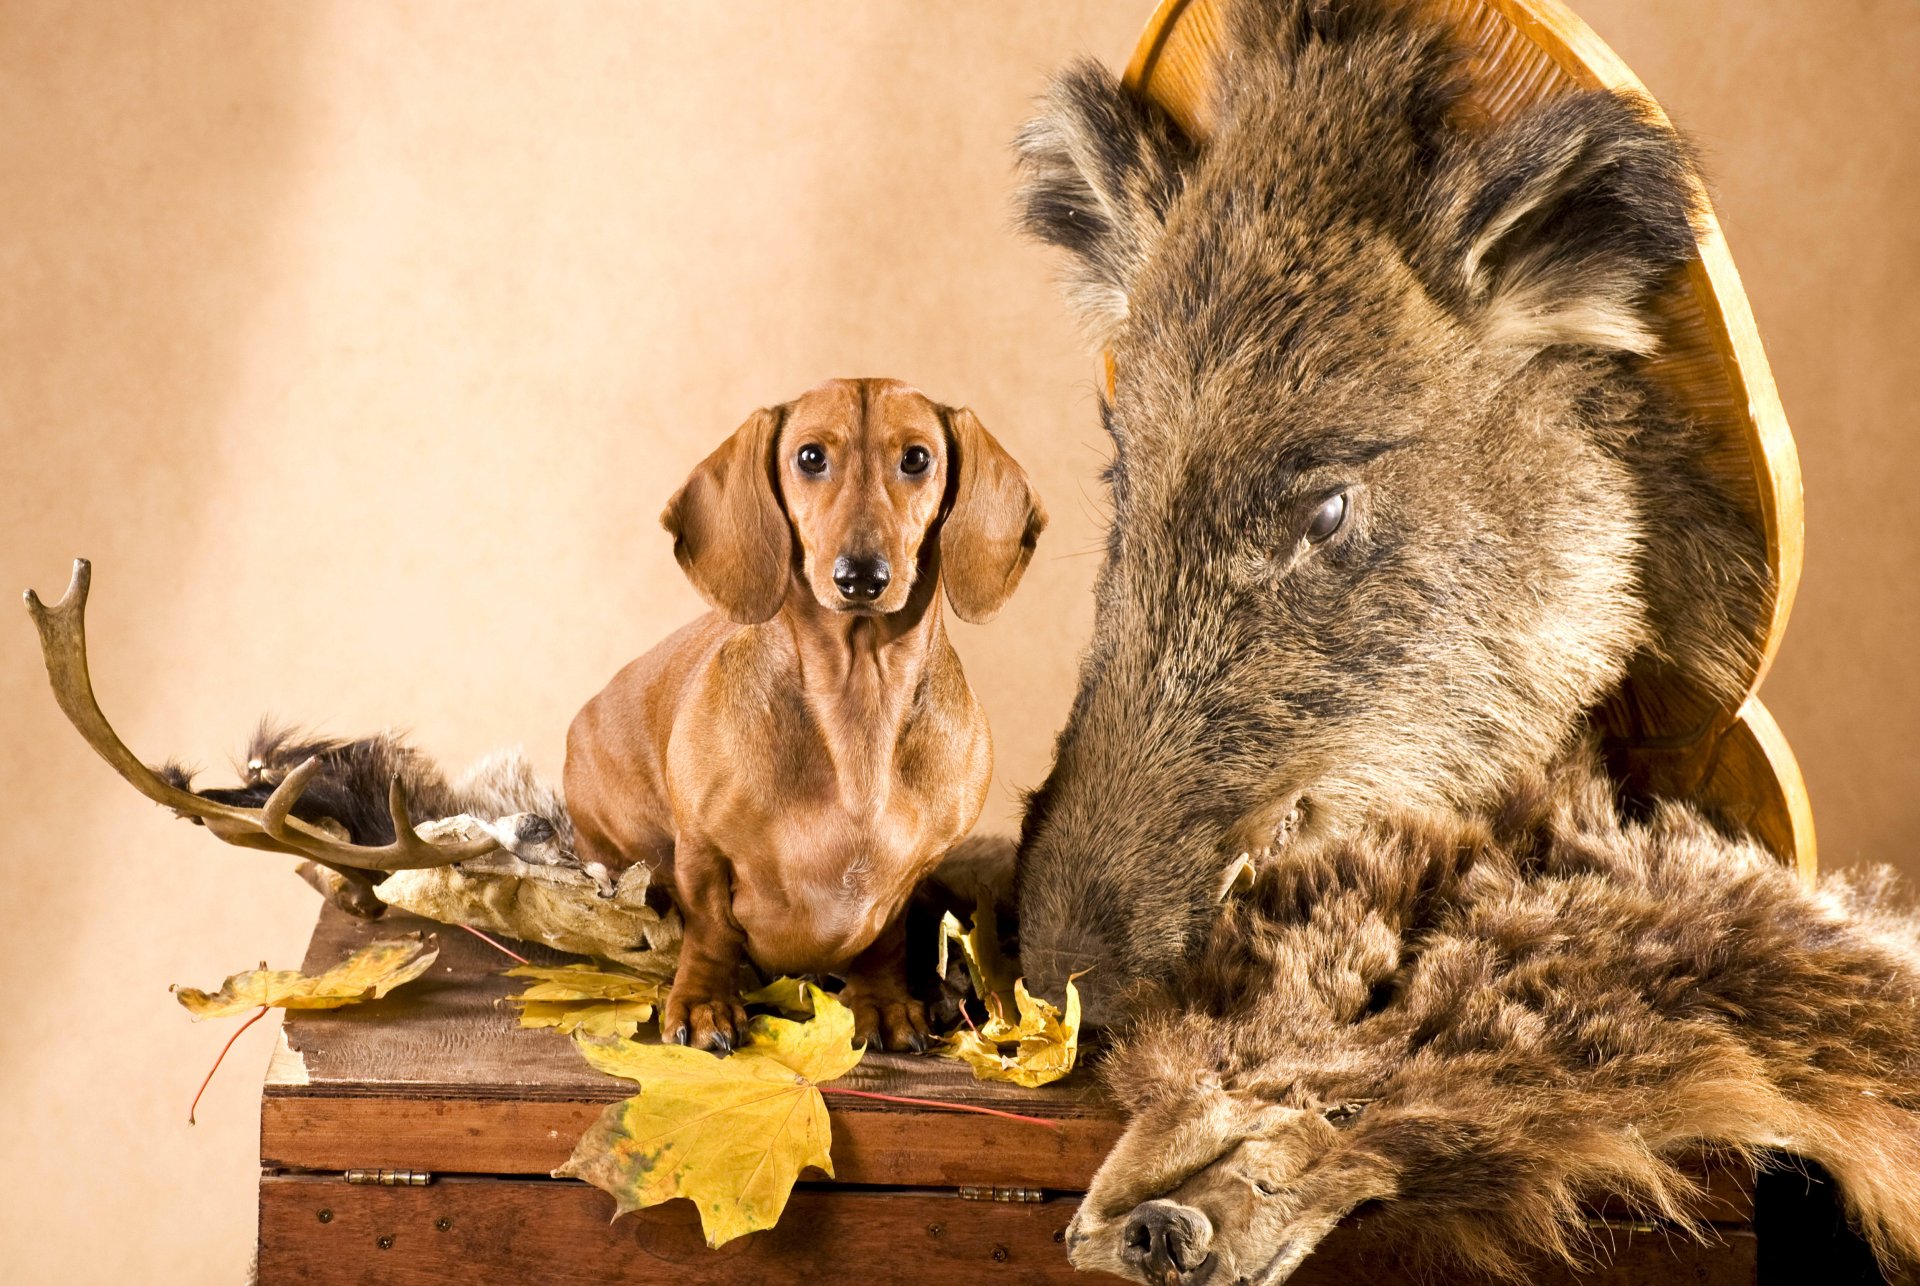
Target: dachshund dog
(798,760)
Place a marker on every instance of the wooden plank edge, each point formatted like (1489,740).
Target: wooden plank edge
(506,1136)
(320,1231)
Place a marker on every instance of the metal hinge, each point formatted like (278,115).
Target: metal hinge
(391,1178)
(1002,1194)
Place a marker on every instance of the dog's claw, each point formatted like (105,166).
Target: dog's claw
(678,1036)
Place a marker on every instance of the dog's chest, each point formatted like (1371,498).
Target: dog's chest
(814,886)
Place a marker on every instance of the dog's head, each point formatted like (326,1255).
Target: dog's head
(837,492)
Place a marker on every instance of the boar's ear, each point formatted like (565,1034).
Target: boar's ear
(993,519)
(1556,226)
(1101,167)
(730,532)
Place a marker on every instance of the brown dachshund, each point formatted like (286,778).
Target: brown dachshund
(798,760)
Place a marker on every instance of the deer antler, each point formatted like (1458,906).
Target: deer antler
(63,640)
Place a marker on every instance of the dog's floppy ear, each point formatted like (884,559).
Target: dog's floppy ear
(992,521)
(729,529)
(1555,227)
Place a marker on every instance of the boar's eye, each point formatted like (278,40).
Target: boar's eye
(1329,518)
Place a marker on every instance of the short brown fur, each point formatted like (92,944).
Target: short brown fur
(796,761)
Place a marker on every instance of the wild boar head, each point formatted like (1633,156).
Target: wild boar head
(1392,504)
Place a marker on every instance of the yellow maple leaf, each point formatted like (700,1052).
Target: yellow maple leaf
(367,974)
(729,1134)
(1044,1041)
(788,995)
(585,998)
(594,1017)
(990,972)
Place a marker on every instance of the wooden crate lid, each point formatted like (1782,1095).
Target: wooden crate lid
(440,1077)
(1518,53)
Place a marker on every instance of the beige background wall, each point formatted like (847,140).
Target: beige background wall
(359,345)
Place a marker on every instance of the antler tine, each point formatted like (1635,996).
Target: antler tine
(407,851)
(278,810)
(63,643)
(427,852)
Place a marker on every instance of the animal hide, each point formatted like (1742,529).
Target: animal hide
(1461,1028)
(531,887)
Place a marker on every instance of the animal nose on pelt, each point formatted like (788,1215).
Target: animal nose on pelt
(861,579)
(1166,1241)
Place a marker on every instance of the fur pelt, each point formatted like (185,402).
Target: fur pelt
(350,789)
(1464,1027)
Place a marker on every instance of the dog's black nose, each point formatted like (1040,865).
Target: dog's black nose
(1166,1240)
(861,578)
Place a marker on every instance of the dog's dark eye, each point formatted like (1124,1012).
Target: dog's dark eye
(1329,518)
(916,460)
(812,458)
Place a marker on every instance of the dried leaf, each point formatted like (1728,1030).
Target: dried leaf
(549,904)
(990,972)
(788,995)
(367,974)
(586,998)
(729,1134)
(594,1017)
(1043,1043)
(592,982)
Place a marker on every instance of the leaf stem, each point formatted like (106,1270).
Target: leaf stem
(936,1103)
(220,1058)
(502,949)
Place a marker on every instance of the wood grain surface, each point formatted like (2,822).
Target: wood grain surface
(439,1076)
(322,1232)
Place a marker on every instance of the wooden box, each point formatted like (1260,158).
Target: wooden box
(409,1141)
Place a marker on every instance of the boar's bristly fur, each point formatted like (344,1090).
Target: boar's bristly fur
(1394,504)
(1465,1028)
(1396,507)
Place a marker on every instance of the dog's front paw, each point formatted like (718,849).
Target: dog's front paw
(889,1018)
(703,1018)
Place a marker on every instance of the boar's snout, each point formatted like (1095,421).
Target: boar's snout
(1167,1243)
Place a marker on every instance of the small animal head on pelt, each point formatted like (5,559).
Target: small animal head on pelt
(1341,1047)
(1218,1187)
(1223,1188)
(835,493)
(1393,505)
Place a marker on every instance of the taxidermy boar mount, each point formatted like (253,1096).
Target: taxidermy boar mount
(1395,506)
(1398,512)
